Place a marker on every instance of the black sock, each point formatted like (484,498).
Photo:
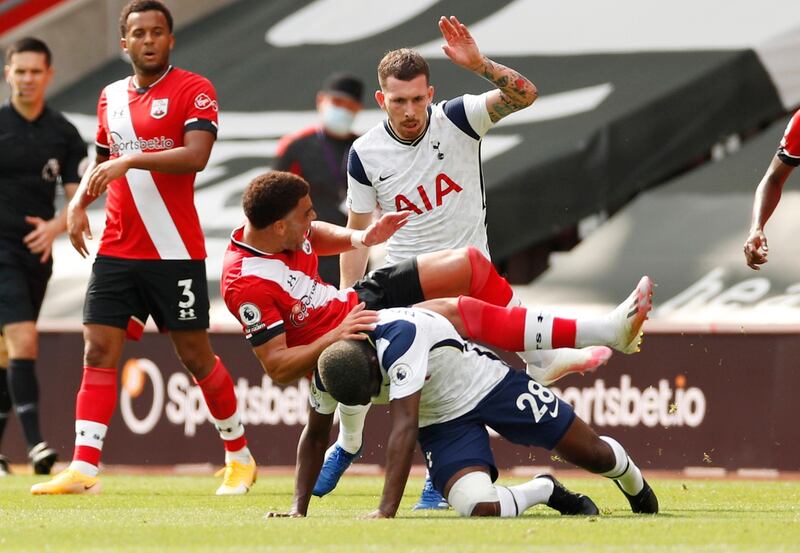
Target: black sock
(5,401)
(25,393)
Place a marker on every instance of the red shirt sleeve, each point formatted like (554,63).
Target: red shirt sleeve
(201,107)
(255,308)
(789,151)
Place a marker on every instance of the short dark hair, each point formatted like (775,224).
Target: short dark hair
(29,44)
(345,368)
(344,84)
(136,6)
(271,196)
(404,64)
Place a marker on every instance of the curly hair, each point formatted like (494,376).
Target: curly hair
(345,368)
(271,196)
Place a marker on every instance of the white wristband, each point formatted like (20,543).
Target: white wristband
(357,239)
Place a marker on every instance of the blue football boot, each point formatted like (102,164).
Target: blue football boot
(430,498)
(337,460)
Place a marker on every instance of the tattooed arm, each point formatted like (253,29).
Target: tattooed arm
(514,92)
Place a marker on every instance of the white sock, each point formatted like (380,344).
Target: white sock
(538,330)
(88,434)
(351,426)
(85,468)
(625,471)
(508,502)
(533,492)
(230,428)
(241,456)
(593,332)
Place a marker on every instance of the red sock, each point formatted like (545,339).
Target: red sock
(221,400)
(486,284)
(94,407)
(515,328)
(502,327)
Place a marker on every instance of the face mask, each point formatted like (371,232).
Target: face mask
(337,120)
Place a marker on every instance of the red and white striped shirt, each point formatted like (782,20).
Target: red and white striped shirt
(273,293)
(151,215)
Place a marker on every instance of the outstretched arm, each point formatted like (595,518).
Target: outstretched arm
(353,264)
(768,195)
(514,91)
(399,453)
(329,239)
(310,454)
(286,364)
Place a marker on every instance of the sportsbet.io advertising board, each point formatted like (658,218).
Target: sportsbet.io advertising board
(721,401)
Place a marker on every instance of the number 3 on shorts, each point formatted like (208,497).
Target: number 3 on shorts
(544,396)
(187,295)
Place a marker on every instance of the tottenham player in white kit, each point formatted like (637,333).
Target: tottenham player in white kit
(425,158)
(451,389)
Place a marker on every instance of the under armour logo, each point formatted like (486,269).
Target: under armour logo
(540,318)
(435,145)
(186,314)
(291,280)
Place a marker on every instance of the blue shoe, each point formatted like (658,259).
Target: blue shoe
(430,498)
(337,460)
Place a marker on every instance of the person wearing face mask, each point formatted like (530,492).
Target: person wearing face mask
(319,154)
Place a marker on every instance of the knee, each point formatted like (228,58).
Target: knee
(196,364)
(21,339)
(474,495)
(196,356)
(98,353)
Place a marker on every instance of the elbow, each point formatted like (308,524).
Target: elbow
(277,373)
(533,95)
(278,376)
(198,165)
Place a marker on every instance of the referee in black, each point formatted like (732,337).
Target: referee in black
(39,150)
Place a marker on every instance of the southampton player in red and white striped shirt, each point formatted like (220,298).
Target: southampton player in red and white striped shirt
(768,193)
(155,132)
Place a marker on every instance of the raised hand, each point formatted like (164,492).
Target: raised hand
(382,229)
(461,47)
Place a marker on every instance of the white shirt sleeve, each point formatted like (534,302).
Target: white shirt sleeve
(477,114)
(407,373)
(361,198)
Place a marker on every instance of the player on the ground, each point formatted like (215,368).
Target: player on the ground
(39,151)
(446,391)
(768,193)
(270,283)
(155,132)
(425,158)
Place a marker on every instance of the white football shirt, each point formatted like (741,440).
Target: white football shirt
(438,177)
(420,350)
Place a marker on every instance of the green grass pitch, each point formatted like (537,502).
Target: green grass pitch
(180,513)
